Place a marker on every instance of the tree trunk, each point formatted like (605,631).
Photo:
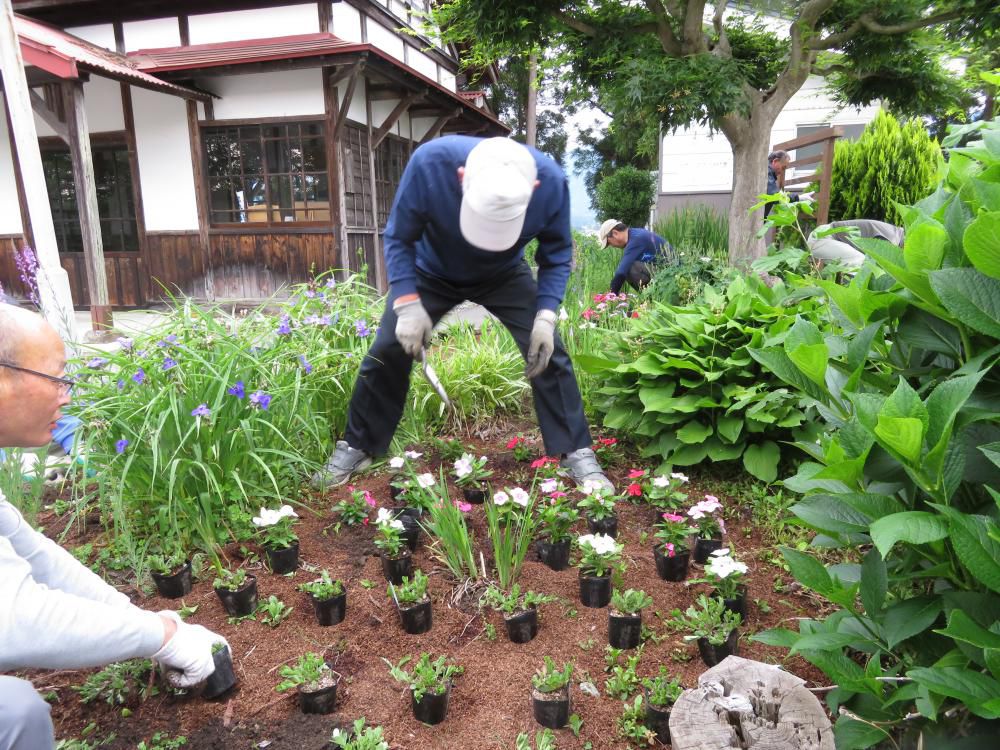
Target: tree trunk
(531,117)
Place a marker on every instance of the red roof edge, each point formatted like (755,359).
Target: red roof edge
(48,59)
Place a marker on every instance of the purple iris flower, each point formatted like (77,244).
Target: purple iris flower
(141,353)
(325,321)
(362,328)
(311,320)
(260,399)
(125,343)
(121,384)
(140,376)
(169,363)
(201,410)
(309,294)
(164,342)
(331,283)
(305,364)
(237,390)
(96,363)
(121,445)
(284,328)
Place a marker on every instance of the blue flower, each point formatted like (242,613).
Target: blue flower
(121,384)
(125,343)
(169,363)
(331,283)
(140,376)
(305,364)
(309,294)
(201,410)
(361,328)
(312,320)
(96,363)
(284,328)
(164,342)
(260,399)
(141,353)
(325,321)
(237,390)
(121,445)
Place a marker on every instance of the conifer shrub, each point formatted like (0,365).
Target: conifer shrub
(627,195)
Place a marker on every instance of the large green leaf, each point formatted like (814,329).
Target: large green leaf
(978,551)
(775,360)
(824,642)
(830,514)
(909,617)
(694,432)
(914,527)
(874,583)
(729,428)
(872,504)
(857,735)
(923,249)
(963,628)
(977,691)
(807,570)
(972,297)
(992,452)
(761,460)
(776,637)
(891,258)
(982,243)
(903,435)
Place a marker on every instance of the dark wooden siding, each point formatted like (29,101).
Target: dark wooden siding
(176,265)
(255,266)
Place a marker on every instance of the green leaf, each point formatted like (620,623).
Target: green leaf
(775,360)
(909,617)
(729,428)
(914,527)
(963,628)
(856,735)
(992,452)
(694,432)
(761,460)
(971,540)
(903,435)
(830,514)
(807,570)
(874,583)
(777,637)
(982,243)
(924,247)
(812,360)
(972,297)
(976,690)
(824,642)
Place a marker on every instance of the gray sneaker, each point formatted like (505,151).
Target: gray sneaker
(340,466)
(583,466)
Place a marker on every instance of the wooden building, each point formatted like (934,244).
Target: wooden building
(238,145)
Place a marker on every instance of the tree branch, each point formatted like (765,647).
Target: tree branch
(722,47)
(868,23)
(693,33)
(575,23)
(663,29)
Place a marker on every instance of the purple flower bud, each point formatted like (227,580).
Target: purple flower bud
(96,363)
(284,328)
(305,364)
(125,343)
(140,376)
(361,328)
(201,410)
(237,389)
(169,363)
(121,445)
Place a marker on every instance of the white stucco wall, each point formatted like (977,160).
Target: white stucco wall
(159,32)
(381,110)
(423,64)
(102,99)
(102,35)
(285,93)
(163,148)
(345,22)
(446,79)
(285,20)
(10,212)
(357,111)
(384,39)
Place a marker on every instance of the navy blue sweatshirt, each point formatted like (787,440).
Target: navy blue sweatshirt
(642,245)
(423,231)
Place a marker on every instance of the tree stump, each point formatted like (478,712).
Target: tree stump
(743,704)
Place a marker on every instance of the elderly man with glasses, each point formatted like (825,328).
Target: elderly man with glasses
(54,612)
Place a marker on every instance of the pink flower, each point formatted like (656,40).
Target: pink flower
(365,522)
(369,500)
(540,463)
(673,517)
(587,314)
(635,314)
(670,549)
(636,473)
(556,494)
(634,490)
(514,442)
(463,506)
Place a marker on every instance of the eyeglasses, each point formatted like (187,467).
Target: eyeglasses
(66,383)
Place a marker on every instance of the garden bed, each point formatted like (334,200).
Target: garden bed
(490,703)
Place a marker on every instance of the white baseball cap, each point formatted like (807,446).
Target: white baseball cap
(496,189)
(605,230)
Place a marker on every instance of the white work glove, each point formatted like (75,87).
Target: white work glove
(542,343)
(807,196)
(413,326)
(186,659)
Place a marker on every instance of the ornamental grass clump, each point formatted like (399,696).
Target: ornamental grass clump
(511,527)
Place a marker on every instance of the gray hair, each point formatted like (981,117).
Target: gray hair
(15,324)
(781,156)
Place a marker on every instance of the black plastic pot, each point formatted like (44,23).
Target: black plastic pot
(432,707)
(554,554)
(283,560)
(522,626)
(551,709)
(738,603)
(320,701)
(712,655)
(703,548)
(411,529)
(241,602)
(608,526)
(174,585)
(624,630)
(671,568)
(595,591)
(222,680)
(474,495)
(658,720)
(330,611)
(396,568)
(416,618)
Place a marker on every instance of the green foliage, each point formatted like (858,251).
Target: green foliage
(662,690)
(631,726)
(23,488)
(161,741)
(708,618)
(892,162)
(630,601)
(411,590)
(624,679)
(908,464)
(627,195)
(323,588)
(231,580)
(118,684)
(306,673)
(454,543)
(513,602)
(273,611)
(427,676)
(550,678)
(360,737)
(681,382)
(544,740)
(512,530)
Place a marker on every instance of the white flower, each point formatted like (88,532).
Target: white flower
(562,313)
(677,475)
(396,524)
(591,487)
(270,517)
(500,498)
(413,455)
(549,485)
(463,466)
(705,259)
(722,565)
(520,497)
(396,462)
(601,544)
(384,516)
(661,481)
(426,480)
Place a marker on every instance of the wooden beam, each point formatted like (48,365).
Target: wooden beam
(201,198)
(439,124)
(86,204)
(345,105)
(379,265)
(48,115)
(334,164)
(825,175)
(128,114)
(22,202)
(808,140)
(184,30)
(325,12)
(393,117)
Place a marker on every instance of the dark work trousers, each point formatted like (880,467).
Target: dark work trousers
(384,379)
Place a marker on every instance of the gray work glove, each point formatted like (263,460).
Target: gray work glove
(413,327)
(186,659)
(542,343)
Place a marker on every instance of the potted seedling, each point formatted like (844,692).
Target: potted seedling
(661,693)
(600,555)
(315,681)
(397,562)
(222,680)
(353,510)
(706,515)
(670,551)
(520,613)
(237,590)
(359,737)
(278,539)
(550,700)
(599,509)
(470,475)
(625,617)
(413,603)
(556,517)
(712,625)
(401,483)
(727,575)
(171,572)
(429,683)
(329,599)
(664,493)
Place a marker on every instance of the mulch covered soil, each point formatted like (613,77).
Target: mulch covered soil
(490,703)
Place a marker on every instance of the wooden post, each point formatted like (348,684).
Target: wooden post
(335,168)
(53,284)
(530,115)
(86,202)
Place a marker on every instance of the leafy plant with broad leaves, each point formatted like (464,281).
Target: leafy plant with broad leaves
(908,466)
(427,676)
(682,383)
(306,673)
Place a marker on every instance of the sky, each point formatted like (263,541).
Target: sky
(581,215)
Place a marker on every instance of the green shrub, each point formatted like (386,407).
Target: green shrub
(908,467)
(627,195)
(892,162)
